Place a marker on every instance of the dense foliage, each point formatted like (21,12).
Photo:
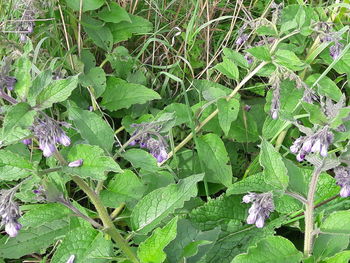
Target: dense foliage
(174,131)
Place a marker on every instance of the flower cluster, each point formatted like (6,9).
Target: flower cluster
(49,133)
(342,177)
(9,211)
(151,140)
(327,35)
(275,82)
(313,143)
(26,26)
(261,208)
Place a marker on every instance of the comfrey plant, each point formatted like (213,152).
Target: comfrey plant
(147,135)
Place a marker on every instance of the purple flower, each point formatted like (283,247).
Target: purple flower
(12,228)
(9,212)
(76,163)
(241,39)
(63,139)
(27,141)
(247,107)
(342,177)
(9,82)
(262,206)
(335,50)
(249,58)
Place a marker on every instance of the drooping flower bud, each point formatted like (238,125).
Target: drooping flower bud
(71,259)
(76,163)
(27,141)
(262,206)
(342,177)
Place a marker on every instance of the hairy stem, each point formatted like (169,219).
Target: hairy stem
(309,211)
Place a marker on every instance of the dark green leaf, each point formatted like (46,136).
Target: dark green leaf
(114,14)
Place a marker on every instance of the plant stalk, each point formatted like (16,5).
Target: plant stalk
(309,211)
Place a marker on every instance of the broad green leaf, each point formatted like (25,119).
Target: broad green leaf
(92,128)
(122,62)
(338,120)
(95,163)
(87,4)
(88,60)
(56,91)
(151,250)
(119,94)
(288,59)
(260,52)
(16,123)
(252,183)
(96,78)
(157,205)
(342,257)
(23,76)
(286,204)
(47,229)
(228,68)
(337,223)
(124,30)
(244,128)
(326,86)
(212,152)
(39,84)
(329,245)
(180,111)
(99,33)
(228,112)
(141,159)
(125,187)
(218,212)
(236,57)
(114,14)
(272,249)
(86,244)
(190,238)
(14,166)
(275,171)
(316,114)
(266,31)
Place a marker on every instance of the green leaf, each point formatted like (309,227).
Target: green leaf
(228,112)
(57,91)
(14,166)
(119,94)
(271,249)
(337,223)
(124,30)
(114,14)
(275,171)
(141,159)
(228,68)
(95,163)
(212,152)
(181,113)
(316,114)
(125,187)
(39,84)
(266,31)
(236,57)
(86,244)
(326,86)
(96,78)
(87,4)
(218,212)
(329,245)
(188,239)
(47,229)
(157,205)
(342,257)
(100,34)
(151,250)
(92,128)
(22,74)
(288,59)
(252,183)
(260,52)
(244,129)
(16,123)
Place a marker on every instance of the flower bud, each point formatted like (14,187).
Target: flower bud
(76,163)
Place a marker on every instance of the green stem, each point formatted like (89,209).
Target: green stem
(309,211)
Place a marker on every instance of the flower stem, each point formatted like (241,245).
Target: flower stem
(309,211)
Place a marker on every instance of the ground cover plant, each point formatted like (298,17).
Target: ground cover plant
(174,131)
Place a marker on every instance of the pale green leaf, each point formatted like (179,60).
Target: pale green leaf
(228,68)
(151,250)
(342,257)
(228,112)
(157,205)
(272,249)
(337,223)
(114,14)
(95,78)
(141,159)
(99,33)
(95,163)
(326,86)
(252,183)
(275,171)
(212,152)
(14,166)
(87,4)
(288,59)
(56,91)
(119,94)
(260,52)
(23,68)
